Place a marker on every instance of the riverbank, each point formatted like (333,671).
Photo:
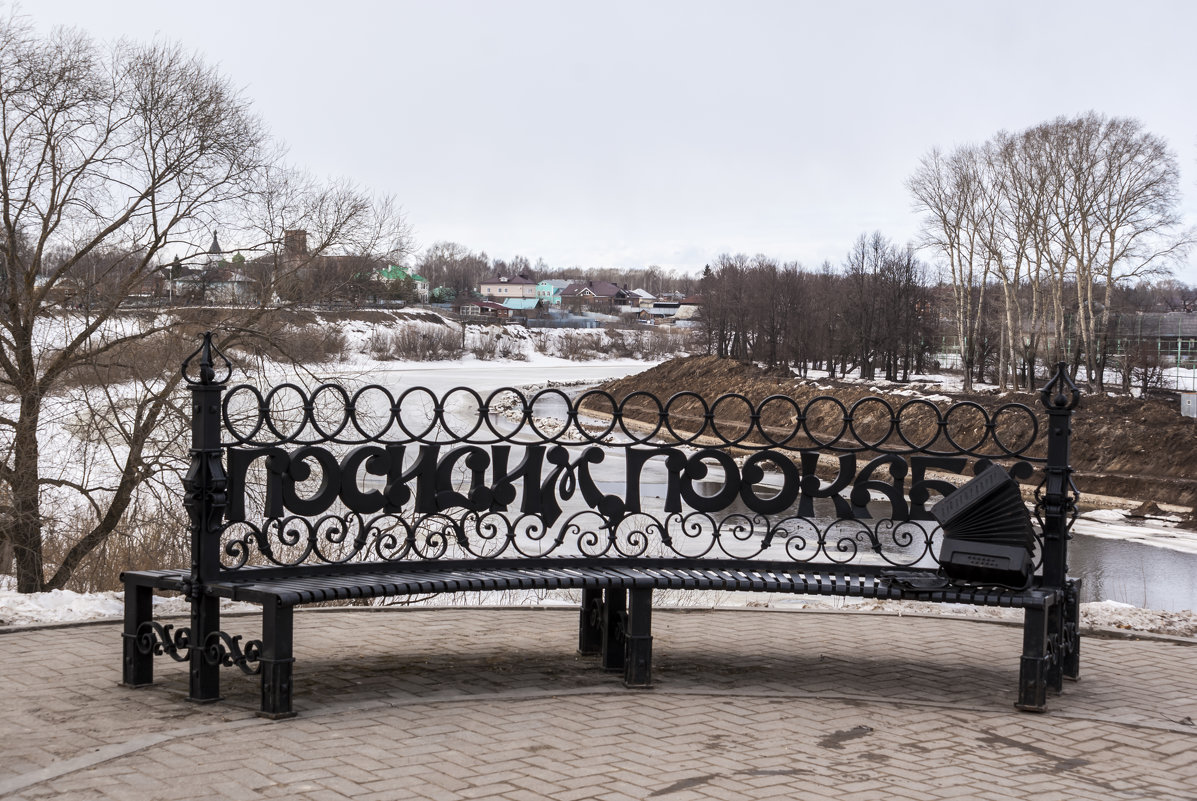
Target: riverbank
(1128,448)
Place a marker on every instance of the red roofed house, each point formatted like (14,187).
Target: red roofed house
(484,308)
(594,293)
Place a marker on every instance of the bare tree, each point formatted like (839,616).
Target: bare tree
(111,161)
(1174,295)
(726,303)
(771,309)
(1081,205)
(454,266)
(950,191)
(905,322)
(862,300)
(1135,219)
(808,318)
(1018,206)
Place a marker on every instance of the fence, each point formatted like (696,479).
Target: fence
(1171,362)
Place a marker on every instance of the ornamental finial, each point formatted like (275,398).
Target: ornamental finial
(1060,392)
(208,353)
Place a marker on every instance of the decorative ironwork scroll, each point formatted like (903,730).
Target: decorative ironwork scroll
(218,648)
(157,639)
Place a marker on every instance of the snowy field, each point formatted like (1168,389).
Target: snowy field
(536,368)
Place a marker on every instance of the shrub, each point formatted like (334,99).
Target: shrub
(379,344)
(486,345)
(621,345)
(511,347)
(143,542)
(574,345)
(294,341)
(424,343)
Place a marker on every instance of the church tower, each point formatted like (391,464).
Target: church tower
(214,252)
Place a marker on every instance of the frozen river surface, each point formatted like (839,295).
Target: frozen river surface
(1148,564)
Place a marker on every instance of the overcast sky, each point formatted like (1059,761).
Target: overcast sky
(634,133)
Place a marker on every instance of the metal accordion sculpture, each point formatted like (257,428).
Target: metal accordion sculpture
(988,538)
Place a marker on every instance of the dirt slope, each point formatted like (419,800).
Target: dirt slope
(1140,450)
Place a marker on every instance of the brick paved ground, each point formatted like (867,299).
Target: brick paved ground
(466,703)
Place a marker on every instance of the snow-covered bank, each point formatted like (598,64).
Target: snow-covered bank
(487,376)
(59,607)
(1119,524)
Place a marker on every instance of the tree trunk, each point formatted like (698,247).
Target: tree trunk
(26,499)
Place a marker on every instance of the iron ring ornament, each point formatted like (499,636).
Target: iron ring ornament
(291,415)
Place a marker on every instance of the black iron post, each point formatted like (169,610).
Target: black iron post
(205,497)
(638,639)
(590,628)
(1046,631)
(277,659)
(1035,665)
(1060,397)
(615,610)
(137,665)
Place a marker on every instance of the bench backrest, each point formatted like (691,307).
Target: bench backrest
(290,477)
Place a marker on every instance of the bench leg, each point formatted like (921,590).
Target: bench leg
(137,667)
(1071,663)
(1055,644)
(590,626)
(276,661)
(614,611)
(1033,673)
(205,675)
(639,640)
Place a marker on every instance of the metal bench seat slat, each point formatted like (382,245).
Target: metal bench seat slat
(399,579)
(743,580)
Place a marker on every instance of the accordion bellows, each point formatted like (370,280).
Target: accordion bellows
(988,537)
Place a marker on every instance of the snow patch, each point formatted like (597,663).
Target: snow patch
(1157,533)
(67,606)
(1105,515)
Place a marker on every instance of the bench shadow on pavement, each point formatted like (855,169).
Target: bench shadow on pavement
(401,675)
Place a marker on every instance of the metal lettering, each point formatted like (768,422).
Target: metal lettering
(547,477)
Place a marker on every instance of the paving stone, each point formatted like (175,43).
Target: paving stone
(467,703)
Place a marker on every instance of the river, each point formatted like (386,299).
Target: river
(1146,564)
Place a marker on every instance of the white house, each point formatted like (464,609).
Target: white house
(500,287)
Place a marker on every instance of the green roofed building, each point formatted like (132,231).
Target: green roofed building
(396,272)
(522,304)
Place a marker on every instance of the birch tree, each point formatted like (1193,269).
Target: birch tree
(1078,205)
(949,191)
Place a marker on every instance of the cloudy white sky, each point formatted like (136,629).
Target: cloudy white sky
(636,133)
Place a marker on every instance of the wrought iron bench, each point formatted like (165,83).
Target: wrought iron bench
(299,497)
